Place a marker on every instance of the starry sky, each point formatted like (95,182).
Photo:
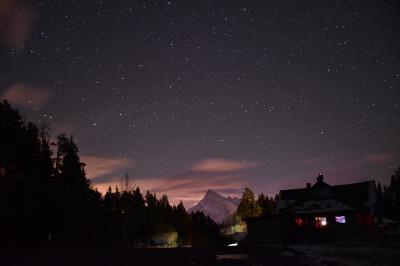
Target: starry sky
(190,95)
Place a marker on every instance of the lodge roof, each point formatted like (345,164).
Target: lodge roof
(356,195)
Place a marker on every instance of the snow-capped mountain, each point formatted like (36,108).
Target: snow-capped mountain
(218,207)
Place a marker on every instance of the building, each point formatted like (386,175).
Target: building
(318,210)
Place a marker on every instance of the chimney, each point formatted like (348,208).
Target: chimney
(320,178)
(308,185)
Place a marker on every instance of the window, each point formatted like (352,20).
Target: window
(320,222)
(340,219)
(299,221)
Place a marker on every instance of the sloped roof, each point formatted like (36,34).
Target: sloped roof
(356,195)
(294,194)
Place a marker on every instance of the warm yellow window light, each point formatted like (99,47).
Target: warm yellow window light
(320,222)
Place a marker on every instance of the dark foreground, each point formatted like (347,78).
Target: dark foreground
(272,255)
(306,254)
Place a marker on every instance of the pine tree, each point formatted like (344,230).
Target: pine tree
(395,190)
(137,216)
(25,178)
(266,204)
(73,191)
(248,206)
(182,223)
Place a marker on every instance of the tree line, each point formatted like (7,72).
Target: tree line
(45,197)
(249,206)
(388,198)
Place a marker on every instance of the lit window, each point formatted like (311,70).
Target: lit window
(320,222)
(299,221)
(340,219)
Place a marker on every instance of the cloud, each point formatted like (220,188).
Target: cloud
(222,165)
(23,95)
(360,164)
(196,181)
(191,186)
(16,21)
(99,168)
(309,161)
(215,173)
(222,175)
(378,158)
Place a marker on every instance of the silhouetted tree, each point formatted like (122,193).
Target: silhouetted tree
(266,204)
(248,206)
(182,223)
(137,216)
(395,190)
(388,198)
(74,193)
(25,179)
(205,232)
(165,209)
(126,204)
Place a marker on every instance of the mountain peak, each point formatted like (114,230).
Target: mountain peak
(209,191)
(212,193)
(216,206)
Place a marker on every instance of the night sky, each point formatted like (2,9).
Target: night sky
(191,95)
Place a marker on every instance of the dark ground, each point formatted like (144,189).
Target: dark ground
(371,249)
(272,255)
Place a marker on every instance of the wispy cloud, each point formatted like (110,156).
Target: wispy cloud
(98,168)
(222,175)
(222,165)
(308,161)
(378,158)
(16,22)
(26,96)
(190,186)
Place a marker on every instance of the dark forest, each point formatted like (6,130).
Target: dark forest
(47,198)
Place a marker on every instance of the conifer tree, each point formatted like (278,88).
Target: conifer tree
(248,206)
(266,204)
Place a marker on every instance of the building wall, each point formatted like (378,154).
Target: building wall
(283,227)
